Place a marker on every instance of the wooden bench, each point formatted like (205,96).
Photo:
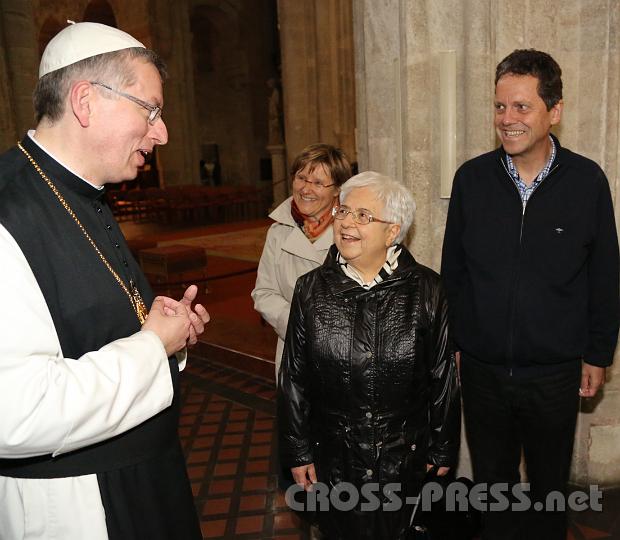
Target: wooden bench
(182,262)
(138,244)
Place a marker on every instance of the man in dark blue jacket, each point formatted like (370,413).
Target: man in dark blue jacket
(530,266)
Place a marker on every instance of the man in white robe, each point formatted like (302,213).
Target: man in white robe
(89,395)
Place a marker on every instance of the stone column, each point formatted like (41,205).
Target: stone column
(22,62)
(171,39)
(278,173)
(397,74)
(316,42)
(8,133)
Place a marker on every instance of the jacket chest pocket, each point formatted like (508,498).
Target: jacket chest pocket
(558,249)
(487,232)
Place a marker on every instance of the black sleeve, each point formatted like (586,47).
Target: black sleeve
(292,399)
(603,279)
(453,265)
(444,396)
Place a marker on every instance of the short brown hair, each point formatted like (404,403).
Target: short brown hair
(113,68)
(333,160)
(537,64)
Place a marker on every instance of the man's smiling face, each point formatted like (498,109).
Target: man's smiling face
(522,120)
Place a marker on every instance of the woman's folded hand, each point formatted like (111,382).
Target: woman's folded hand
(304,475)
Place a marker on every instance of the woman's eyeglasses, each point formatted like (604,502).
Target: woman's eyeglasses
(300,181)
(360,216)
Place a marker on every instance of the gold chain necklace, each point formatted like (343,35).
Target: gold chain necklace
(132,292)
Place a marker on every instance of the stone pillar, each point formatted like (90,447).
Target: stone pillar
(22,62)
(397,82)
(171,39)
(316,42)
(8,133)
(278,173)
(397,76)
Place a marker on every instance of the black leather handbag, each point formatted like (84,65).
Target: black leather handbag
(417,530)
(440,524)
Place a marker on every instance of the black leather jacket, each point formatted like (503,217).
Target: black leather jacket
(368,389)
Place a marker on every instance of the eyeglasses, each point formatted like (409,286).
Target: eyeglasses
(300,181)
(360,216)
(154,110)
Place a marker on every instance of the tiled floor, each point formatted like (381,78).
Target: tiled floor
(227,429)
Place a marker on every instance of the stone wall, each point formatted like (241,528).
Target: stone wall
(397,76)
(220,55)
(316,39)
(235,53)
(27,24)
(19,61)
(170,38)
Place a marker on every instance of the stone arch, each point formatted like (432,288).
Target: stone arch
(100,11)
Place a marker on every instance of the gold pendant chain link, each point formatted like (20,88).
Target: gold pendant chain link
(134,295)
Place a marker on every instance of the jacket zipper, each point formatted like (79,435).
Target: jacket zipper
(513,300)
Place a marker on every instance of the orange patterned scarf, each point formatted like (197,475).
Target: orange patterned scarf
(313,228)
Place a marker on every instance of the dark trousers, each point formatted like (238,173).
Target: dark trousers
(531,410)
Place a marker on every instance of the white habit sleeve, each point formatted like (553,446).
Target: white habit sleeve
(52,404)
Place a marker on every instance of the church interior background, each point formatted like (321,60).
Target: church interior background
(252,82)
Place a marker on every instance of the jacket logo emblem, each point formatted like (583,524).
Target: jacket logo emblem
(559,230)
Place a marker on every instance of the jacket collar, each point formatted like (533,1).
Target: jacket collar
(296,242)
(560,153)
(341,283)
(282,213)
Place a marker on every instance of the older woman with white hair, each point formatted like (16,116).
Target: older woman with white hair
(368,393)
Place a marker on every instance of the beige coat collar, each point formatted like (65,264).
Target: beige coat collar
(296,242)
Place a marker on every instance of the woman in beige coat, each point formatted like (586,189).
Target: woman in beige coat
(299,239)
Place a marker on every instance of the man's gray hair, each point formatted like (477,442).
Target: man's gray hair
(113,69)
(398,203)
